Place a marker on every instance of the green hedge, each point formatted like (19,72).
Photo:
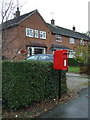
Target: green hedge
(27,82)
(73,62)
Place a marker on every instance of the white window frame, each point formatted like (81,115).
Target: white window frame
(44,50)
(58,38)
(42,35)
(71,53)
(29,32)
(36,35)
(72,40)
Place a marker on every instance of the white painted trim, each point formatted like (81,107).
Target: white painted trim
(44,52)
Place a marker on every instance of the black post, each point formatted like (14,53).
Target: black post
(59,93)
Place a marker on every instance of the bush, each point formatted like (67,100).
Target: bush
(82,54)
(85,70)
(73,62)
(27,82)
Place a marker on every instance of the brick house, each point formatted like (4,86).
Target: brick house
(29,34)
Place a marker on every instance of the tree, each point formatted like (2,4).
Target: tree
(82,54)
(7,9)
(8,12)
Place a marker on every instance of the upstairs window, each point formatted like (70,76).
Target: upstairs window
(29,32)
(58,38)
(71,40)
(42,34)
(36,34)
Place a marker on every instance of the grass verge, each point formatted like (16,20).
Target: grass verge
(74,69)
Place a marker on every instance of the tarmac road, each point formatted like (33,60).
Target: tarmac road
(77,108)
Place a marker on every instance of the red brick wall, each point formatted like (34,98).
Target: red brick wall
(16,37)
(66,42)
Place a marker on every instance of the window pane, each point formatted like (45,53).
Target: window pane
(38,51)
(42,34)
(71,40)
(43,57)
(36,33)
(27,32)
(32,58)
(58,38)
(31,32)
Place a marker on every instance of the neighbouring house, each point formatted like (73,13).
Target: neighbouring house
(29,34)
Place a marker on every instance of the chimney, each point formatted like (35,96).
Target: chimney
(52,21)
(17,12)
(74,28)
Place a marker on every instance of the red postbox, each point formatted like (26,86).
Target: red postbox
(61,59)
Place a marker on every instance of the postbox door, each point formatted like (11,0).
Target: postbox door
(61,60)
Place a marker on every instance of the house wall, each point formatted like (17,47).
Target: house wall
(16,39)
(9,42)
(35,22)
(66,42)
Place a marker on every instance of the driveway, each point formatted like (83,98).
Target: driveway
(76,81)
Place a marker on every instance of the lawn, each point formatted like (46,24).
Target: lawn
(73,69)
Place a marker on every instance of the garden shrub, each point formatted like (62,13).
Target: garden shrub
(27,82)
(73,62)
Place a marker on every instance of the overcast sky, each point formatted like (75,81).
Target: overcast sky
(66,13)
